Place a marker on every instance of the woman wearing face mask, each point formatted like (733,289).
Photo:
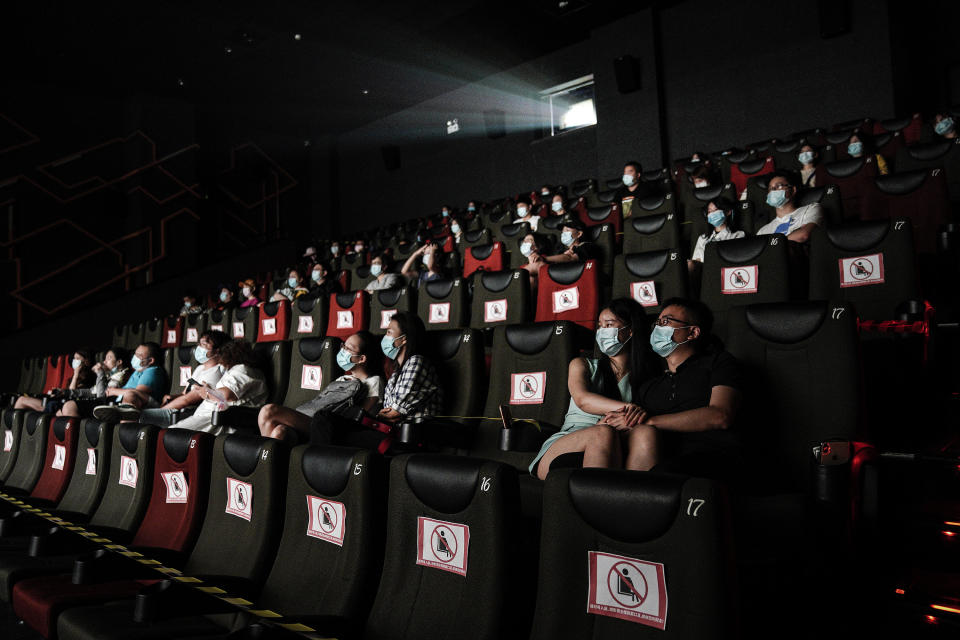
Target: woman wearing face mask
(112,373)
(360,358)
(718,213)
(429,256)
(557,206)
(209,371)
(861,145)
(292,289)
(525,214)
(603,414)
(382,279)
(227,299)
(83,378)
(701,177)
(248,293)
(944,126)
(321,284)
(808,158)
(691,407)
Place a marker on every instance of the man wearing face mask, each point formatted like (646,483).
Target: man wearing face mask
(576,249)
(321,284)
(227,301)
(191,304)
(633,187)
(525,214)
(143,390)
(792,221)
(944,126)
(693,404)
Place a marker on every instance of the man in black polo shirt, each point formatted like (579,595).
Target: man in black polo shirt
(693,404)
(633,188)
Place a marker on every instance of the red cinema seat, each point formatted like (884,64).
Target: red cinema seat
(743,171)
(488,257)
(274,324)
(58,462)
(172,332)
(855,179)
(569,291)
(349,313)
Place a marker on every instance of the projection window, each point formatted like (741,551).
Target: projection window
(571,105)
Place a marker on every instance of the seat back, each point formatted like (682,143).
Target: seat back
(181,477)
(458,356)
(220,320)
(135,336)
(313,365)
(829,199)
(31,452)
(488,257)
(744,271)
(653,205)
(120,335)
(650,278)
(569,291)
(868,264)
(180,367)
(383,304)
(785,347)
(334,522)
(511,235)
(273,359)
(634,542)
(854,178)
(442,304)
(193,327)
(920,196)
(651,233)
(12,428)
(452,523)
(172,332)
(59,459)
(361,277)
(349,313)
(940,154)
(274,324)
(477,237)
(241,529)
(742,171)
(605,215)
(604,239)
(91,469)
(152,332)
(500,297)
(132,456)
(909,127)
(309,317)
(55,366)
(244,323)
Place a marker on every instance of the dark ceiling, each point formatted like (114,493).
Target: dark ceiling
(321,66)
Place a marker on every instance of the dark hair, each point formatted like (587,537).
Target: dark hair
(789,176)
(699,315)
(85,353)
(120,353)
(704,158)
(153,351)
(866,138)
(235,352)
(411,326)
(702,171)
(191,293)
(643,363)
(370,347)
(636,166)
(721,203)
(216,338)
(574,223)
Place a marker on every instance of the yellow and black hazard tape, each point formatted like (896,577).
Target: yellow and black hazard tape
(169,573)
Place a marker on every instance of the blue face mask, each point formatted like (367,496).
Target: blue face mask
(608,339)
(661,340)
(75,363)
(455,228)
(343,360)
(716,218)
(627,179)
(855,148)
(375,269)
(334,249)
(316,275)
(805,157)
(471,208)
(389,348)
(566,238)
(777,198)
(445,213)
(944,127)
(292,282)
(135,362)
(187,304)
(557,206)
(201,355)
(224,296)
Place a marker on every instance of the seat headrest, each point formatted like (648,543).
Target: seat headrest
(930,150)
(752,166)
(566,272)
(844,168)
(599,213)
(176,442)
(495,280)
(328,469)
(705,194)
(60,427)
(362,271)
(91,429)
(652,202)
(655,174)
(440,288)
(481,252)
(345,300)
(529,339)
(737,156)
(242,453)
(649,224)
(306,304)
(515,229)
(473,236)
(311,348)
(787,147)
(31,420)
(446,342)
(390,297)
(552,222)
(216,315)
(628,506)
(184,353)
(741,250)
(786,322)
(242,313)
(646,264)
(128,433)
(443,483)
(761,181)
(838,137)
(882,140)
(901,183)
(896,124)
(858,236)
(809,196)
(607,196)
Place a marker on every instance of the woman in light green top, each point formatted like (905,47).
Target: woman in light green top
(601,413)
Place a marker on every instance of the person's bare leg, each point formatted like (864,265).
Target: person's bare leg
(130,396)
(599,444)
(69,409)
(274,421)
(641,448)
(25,402)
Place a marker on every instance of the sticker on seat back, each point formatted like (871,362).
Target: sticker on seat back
(216,327)
(644,292)
(628,589)
(192,335)
(7,440)
(495,310)
(385,316)
(862,270)
(566,299)
(129,471)
(59,457)
(739,279)
(269,326)
(172,337)
(237,329)
(527,388)
(239,498)
(327,519)
(91,469)
(185,376)
(439,312)
(177,488)
(311,377)
(305,324)
(344,319)
(443,545)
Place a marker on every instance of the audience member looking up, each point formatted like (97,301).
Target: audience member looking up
(429,256)
(226,298)
(248,293)
(792,221)
(557,206)
(293,288)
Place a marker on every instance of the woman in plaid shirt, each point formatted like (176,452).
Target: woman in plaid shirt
(413,390)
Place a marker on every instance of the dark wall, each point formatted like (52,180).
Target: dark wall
(731,73)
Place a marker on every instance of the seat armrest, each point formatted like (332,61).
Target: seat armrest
(166,600)
(436,431)
(57,541)
(181,414)
(104,566)
(525,436)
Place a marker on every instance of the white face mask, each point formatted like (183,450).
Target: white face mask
(245,291)
(522,212)
(699,184)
